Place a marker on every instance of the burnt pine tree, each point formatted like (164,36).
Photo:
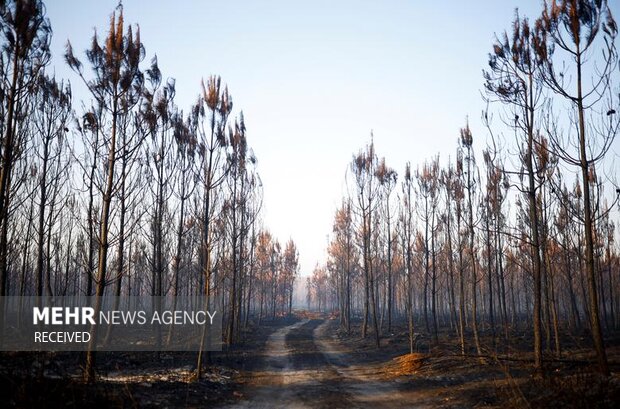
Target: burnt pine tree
(513,81)
(364,168)
(387,179)
(51,114)
(407,222)
(185,152)
(428,197)
(116,85)
(471,180)
(159,112)
(447,182)
(24,51)
(209,119)
(236,162)
(342,258)
(90,131)
(459,196)
(572,32)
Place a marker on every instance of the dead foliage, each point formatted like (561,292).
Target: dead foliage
(404,365)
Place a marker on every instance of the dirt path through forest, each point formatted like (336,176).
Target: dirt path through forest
(304,366)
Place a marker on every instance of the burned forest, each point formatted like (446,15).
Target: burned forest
(162,246)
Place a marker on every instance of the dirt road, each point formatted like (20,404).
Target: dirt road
(304,367)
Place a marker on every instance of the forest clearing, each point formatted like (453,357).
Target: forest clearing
(392,220)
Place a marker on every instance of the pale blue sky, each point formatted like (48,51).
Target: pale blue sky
(313,79)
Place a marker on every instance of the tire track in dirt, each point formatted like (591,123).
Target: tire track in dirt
(269,388)
(294,374)
(304,366)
